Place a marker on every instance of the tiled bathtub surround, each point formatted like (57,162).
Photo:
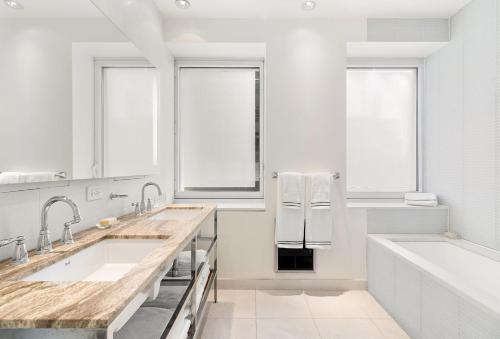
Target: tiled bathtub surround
(427,300)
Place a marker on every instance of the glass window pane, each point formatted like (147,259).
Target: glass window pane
(381,130)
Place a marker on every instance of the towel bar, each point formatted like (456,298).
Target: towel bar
(336,175)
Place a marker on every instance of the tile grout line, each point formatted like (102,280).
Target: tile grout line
(377,327)
(311,314)
(255,314)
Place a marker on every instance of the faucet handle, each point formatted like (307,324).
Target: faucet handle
(20,255)
(137,210)
(67,235)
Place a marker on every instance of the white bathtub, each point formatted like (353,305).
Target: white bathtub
(436,288)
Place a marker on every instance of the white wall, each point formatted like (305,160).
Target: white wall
(20,205)
(460,124)
(304,131)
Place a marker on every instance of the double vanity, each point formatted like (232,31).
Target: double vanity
(92,287)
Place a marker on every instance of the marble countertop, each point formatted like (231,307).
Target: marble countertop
(41,304)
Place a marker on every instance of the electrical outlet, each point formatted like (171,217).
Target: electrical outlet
(94,193)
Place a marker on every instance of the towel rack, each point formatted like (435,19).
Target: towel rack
(336,175)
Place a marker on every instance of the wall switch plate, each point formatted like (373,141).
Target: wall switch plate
(94,193)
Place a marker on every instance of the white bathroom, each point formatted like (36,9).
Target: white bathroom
(243,169)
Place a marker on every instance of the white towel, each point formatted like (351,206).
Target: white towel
(289,231)
(420,197)
(202,282)
(319,212)
(426,203)
(10,177)
(38,176)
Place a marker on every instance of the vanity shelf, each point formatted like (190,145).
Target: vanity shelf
(190,308)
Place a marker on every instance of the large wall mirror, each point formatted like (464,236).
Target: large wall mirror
(77,99)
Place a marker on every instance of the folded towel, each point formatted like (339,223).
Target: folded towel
(420,196)
(10,178)
(202,282)
(183,263)
(185,330)
(181,326)
(168,297)
(319,212)
(289,231)
(146,323)
(38,176)
(427,203)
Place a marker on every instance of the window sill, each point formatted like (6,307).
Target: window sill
(232,205)
(373,204)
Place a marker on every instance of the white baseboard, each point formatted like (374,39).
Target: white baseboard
(293,284)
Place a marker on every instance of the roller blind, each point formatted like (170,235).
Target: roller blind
(218,129)
(382,130)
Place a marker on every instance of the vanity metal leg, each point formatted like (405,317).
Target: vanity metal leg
(194,274)
(215,261)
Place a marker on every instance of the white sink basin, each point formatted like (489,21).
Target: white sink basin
(177,213)
(108,260)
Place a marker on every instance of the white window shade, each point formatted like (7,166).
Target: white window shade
(218,122)
(382,130)
(130,119)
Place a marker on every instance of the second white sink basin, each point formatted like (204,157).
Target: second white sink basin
(108,260)
(177,213)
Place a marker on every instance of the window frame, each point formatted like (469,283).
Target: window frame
(418,66)
(259,113)
(100,64)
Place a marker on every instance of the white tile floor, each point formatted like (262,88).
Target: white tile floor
(242,314)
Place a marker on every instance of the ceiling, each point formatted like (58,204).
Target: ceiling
(261,9)
(52,9)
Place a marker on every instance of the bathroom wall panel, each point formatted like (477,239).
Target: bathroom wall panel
(407,220)
(479,104)
(407,296)
(460,122)
(381,273)
(476,323)
(440,312)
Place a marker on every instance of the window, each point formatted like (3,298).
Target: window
(126,104)
(382,131)
(218,130)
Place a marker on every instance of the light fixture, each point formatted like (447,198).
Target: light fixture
(182,4)
(308,5)
(14,4)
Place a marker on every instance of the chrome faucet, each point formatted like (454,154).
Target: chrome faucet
(143,204)
(20,255)
(44,244)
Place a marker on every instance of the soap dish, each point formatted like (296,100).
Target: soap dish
(102,227)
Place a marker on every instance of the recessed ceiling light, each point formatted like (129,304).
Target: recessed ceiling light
(14,4)
(182,4)
(308,5)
